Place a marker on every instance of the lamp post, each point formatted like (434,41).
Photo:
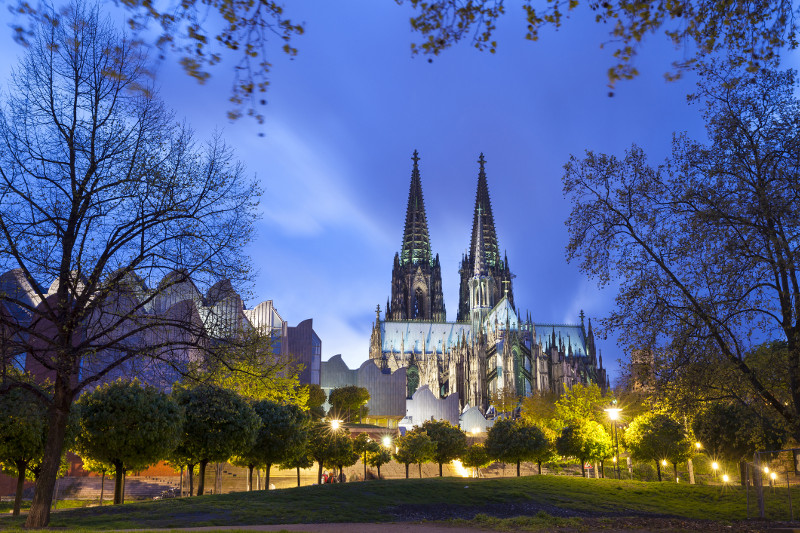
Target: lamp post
(613,414)
(715,467)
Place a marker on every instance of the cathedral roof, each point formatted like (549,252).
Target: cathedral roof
(416,241)
(483,222)
(413,335)
(502,314)
(568,334)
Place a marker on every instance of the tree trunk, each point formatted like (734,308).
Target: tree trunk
(379,471)
(518,462)
(583,468)
(266,476)
(407,465)
(201,474)
(596,471)
(440,469)
(298,476)
(539,464)
(675,469)
(21,466)
(365,465)
(658,469)
(118,473)
(39,515)
(190,470)
(419,465)
(690,467)
(603,469)
(102,487)
(319,474)
(218,478)
(181,482)
(250,477)
(341,474)
(124,475)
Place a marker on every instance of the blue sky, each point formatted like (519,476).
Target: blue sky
(344,117)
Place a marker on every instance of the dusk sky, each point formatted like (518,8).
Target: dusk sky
(345,116)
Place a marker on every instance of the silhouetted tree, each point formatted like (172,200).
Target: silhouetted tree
(102,191)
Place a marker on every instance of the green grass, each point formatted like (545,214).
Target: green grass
(373,502)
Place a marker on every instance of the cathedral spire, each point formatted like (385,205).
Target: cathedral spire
(416,241)
(478,253)
(483,213)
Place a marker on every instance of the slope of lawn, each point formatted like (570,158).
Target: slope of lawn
(376,501)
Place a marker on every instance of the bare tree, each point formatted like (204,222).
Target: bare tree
(104,192)
(705,247)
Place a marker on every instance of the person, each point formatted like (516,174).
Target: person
(324,477)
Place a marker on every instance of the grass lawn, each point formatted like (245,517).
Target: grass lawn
(376,501)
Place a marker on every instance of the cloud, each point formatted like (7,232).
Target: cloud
(307,186)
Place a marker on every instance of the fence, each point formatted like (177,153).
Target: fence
(772,483)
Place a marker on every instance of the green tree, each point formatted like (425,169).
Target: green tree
(450,441)
(125,197)
(415,446)
(331,447)
(377,457)
(345,401)
(504,401)
(514,441)
(128,426)
(579,404)
(363,444)
(98,467)
(702,243)
(587,442)
(540,409)
(751,34)
(218,424)
(476,457)
(316,398)
(657,437)
(301,460)
(23,430)
(547,453)
(246,364)
(735,432)
(283,434)
(203,34)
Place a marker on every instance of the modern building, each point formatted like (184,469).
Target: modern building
(491,348)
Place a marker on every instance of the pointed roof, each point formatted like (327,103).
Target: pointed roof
(483,214)
(478,253)
(416,241)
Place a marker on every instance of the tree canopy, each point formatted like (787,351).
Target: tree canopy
(23,430)
(202,33)
(515,441)
(416,446)
(112,207)
(658,437)
(127,425)
(282,435)
(703,245)
(348,401)
(218,425)
(586,442)
(733,431)
(450,441)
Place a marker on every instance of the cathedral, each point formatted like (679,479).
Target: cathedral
(491,349)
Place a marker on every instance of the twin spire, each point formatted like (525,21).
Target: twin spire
(483,250)
(416,240)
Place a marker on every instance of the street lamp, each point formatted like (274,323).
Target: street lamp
(335,424)
(613,414)
(387,441)
(725,478)
(715,467)
(698,446)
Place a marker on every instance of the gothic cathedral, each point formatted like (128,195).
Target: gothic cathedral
(491,349)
